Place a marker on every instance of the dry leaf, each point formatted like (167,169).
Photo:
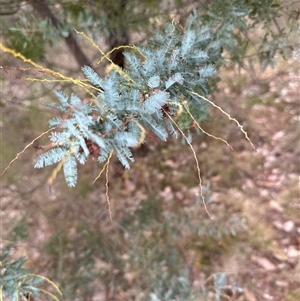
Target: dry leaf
(248,295)
(276,206)
(264,263)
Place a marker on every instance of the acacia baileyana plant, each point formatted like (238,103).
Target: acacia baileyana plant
(163,89)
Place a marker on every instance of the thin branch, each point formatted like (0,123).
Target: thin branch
(24,149)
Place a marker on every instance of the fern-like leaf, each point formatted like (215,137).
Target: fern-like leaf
(207,71)
(59,137)
(154,81)
(188,42)
(55,106)
(155,102)
(92,76)
(126,139)
(55,122)
(172,130)
(176,78)
(52,156)
(122,156)
(70,171)
(75,101)
(63,98)
(157,129)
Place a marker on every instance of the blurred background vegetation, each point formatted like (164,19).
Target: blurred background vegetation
(160,244)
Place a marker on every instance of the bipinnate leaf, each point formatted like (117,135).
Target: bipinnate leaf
(52,156)
(155,102)
(70,171)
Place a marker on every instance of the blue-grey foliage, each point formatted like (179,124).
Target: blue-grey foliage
(16,282)
(148,95)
